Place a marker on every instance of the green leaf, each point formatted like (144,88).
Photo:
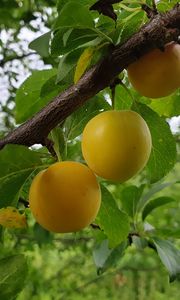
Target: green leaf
(75,123)
(73,151)
(74,14)
(130,197)
(6,18)
(1,234)
(155,203)
(168,106)
(41,44)
(123,99)
(61,3)
(13,274)
(139,242)
(66,67)
(9,4)
(10,187)
(66,40)
(14,159)
(57,136)
(168,233)
(105,258)
(17,164)
(105,24)
(155,188)
(112,220)
(28,97)
(163,154)
(42,235)
(164,5)
(101,254)
(103,35)
(170,257)
(128,26)
(50,87)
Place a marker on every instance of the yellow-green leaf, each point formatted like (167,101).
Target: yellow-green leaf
(11,218)
(83,63)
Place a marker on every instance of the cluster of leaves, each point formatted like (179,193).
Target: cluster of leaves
(74,43)
(19,20)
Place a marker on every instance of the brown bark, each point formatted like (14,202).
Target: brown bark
(161,29)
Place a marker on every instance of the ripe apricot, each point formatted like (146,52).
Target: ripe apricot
(65,197)
(116,144)
(157,73)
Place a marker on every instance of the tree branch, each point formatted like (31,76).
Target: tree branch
(161,29)
(116,271)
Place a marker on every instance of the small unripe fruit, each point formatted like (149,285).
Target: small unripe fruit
(116,144)
(157,73)
(65,198)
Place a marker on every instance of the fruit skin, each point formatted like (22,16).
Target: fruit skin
(157,73)
(65,198)
(116,144)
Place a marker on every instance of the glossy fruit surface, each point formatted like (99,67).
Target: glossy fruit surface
(66,197)
(157,74)
(116,144)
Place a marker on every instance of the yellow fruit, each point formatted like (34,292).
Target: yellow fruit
(66,197)
(157,74)
(116,144)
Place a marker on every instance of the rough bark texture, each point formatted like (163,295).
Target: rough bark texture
(162,28)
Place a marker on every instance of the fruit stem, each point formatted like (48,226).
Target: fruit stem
(150,11)
(112,85)
(56,144)
(49,144)
(154,6)
(127,90)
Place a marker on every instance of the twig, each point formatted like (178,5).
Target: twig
(49,145)
(154,6)
(150,12)
(95,226)
(81,287)
(113,85)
